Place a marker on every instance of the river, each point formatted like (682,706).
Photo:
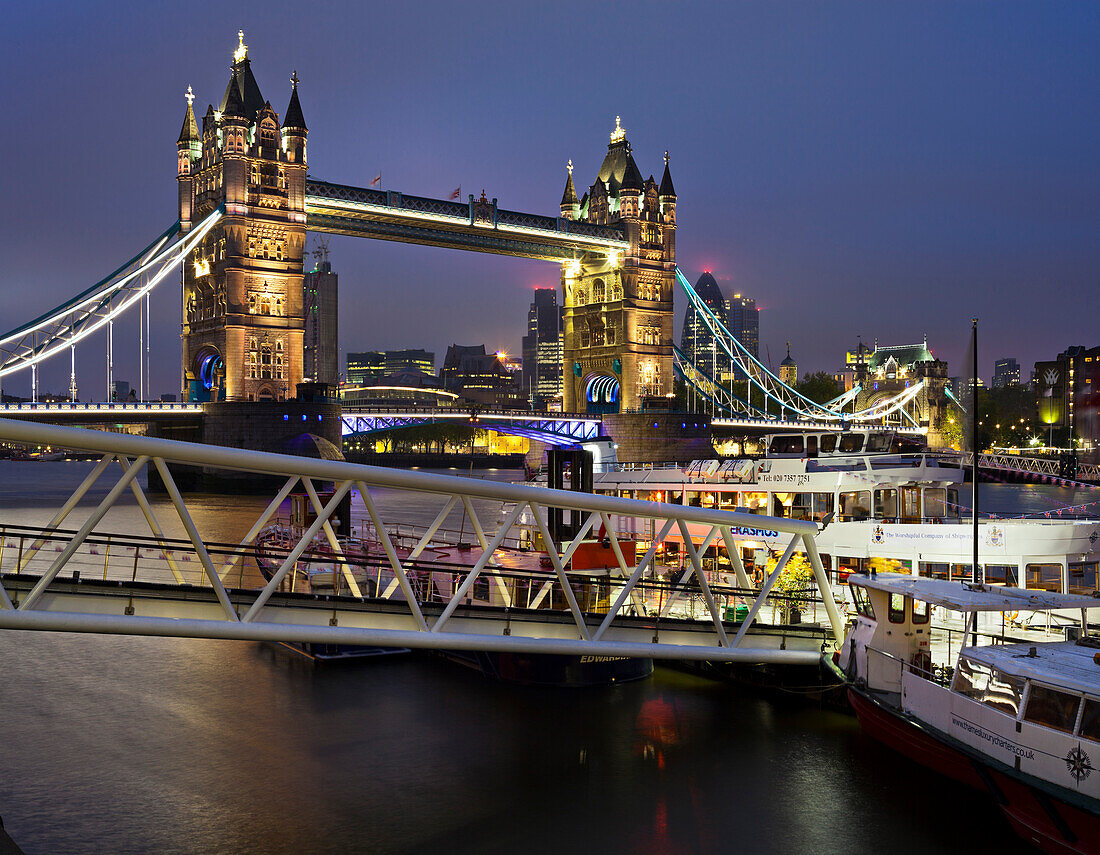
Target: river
(140,745)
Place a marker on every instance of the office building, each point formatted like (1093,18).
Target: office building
(542,352)
(320,342)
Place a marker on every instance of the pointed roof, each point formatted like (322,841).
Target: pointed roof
(632,178)
(243,84)
(788,360)
(190,130)
(666,181)
(569,197)
(709,292)
(294,117)
(232,104)
(614,163)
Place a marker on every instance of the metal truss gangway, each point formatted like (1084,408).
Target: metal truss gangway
(60,577)
(1044,467)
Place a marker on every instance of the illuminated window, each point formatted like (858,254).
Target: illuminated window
(251,304)
(599,291)
(255,174)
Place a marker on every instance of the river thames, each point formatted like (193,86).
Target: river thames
(140,745)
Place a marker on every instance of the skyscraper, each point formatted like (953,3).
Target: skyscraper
(1006,372)
(321,350)
(696,341)
(744,322)
(542,351)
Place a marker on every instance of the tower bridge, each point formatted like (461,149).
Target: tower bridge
(246,201)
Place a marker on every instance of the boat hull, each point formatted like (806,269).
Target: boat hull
(1040,817)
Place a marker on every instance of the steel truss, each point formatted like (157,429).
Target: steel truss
(554,430)
(761,378)
(191,593)
(96,307)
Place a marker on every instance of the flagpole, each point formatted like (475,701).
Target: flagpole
(978,580)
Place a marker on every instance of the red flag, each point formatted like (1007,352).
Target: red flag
(457,194)
(377,180)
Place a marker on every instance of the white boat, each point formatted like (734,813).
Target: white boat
(885,504)
(1019,721)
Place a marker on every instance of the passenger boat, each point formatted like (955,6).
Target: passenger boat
(885,502)
(1019,720)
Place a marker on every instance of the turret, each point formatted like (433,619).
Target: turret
(630,191)
(569,206)
(294,126)
(188,150)
(667,195)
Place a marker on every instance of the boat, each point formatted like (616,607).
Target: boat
(1015,717)
(885,502)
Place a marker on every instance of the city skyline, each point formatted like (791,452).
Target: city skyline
(875,173)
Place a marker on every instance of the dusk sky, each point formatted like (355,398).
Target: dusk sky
(884,170)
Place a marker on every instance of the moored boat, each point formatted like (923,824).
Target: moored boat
(1017,718)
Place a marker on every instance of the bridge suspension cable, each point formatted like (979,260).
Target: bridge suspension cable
(759,376)
(63,327)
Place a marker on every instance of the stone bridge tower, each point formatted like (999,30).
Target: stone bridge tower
(618,323)
(243,312)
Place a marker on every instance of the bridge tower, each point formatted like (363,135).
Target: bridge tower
(243,312)
(618,310)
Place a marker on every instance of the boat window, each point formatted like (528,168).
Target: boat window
(1002,574)
(960,572)
(878,442)
(1004,692)
(889,565)
(481,588)
(1044,577)
(862,601)
(851,443)
(971,678)
(855,505)
(910,503)
(1082,577)
(933,570)
(1090,720)
(886,504)
(710,500)
(935,502)
(823,505)
(802,506)
(811,446)
(1051,708)
(756,503)
(897,608)
(827,444)
(921,611)
(691,498)
(786,445)
(953,503)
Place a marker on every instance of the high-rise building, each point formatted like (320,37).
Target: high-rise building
(696,341)
(321,349)
(1067,396)
(743,320)
(542,351)
(1006,372)
(367,366)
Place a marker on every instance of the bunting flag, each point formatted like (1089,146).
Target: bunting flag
(377,180)
(457,192)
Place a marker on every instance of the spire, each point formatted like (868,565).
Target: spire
(632,178)
(248,95)
(232,105)
(190,130)
(619,134)
(293,117)
(569,197)
(666,182)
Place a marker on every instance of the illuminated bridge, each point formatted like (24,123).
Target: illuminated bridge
(554,428)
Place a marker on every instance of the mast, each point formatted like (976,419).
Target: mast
(974,574)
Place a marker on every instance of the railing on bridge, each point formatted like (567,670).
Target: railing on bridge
(1044,466)
(549,427)
(197,587)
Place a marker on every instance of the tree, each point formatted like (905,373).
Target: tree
(820,387)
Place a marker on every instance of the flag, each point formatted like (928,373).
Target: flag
(377,180)
(457,192)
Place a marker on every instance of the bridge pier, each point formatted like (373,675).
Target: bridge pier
(302,428)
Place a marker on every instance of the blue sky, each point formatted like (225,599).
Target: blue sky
(879,169)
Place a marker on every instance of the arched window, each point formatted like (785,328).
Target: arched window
(581,295)
(252,306)
(599,291)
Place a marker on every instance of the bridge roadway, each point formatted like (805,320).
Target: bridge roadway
(473,225)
